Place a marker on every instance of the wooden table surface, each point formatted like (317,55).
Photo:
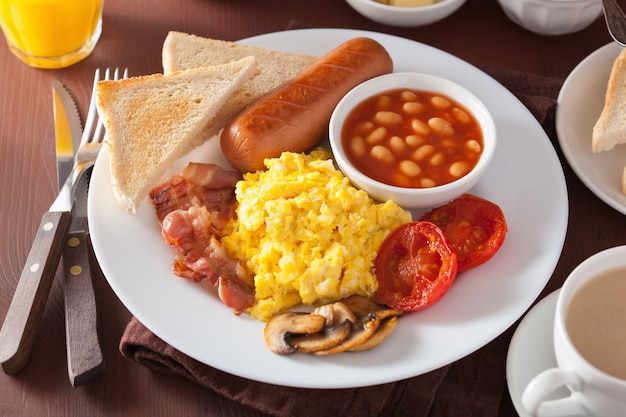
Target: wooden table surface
(133,32)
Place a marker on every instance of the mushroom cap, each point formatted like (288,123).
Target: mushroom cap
(336,313)
(360,333)
(360,306)
(384,330)
(327,338)
(354,324)
(338,326)
(280,329)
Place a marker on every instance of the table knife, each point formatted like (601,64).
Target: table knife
(84,355)
(21,322)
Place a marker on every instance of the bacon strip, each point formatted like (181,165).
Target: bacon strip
(194,188)
(210,175)
(193,209)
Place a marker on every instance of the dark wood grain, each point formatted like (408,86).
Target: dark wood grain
(19,329)
(84,354)
(133,32)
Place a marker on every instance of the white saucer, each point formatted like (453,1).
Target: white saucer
(579,105)
(531,351)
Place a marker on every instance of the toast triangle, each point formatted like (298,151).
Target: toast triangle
(610,128)
(153,120)
(182,51)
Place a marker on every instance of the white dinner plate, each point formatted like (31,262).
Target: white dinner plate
(525,179)
(579,105)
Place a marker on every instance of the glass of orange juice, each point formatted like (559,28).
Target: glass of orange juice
(51,33)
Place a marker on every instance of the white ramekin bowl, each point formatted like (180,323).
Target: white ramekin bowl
(413,197)
(552,17)
(405,16)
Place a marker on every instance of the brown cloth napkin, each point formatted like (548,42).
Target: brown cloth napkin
(473,386)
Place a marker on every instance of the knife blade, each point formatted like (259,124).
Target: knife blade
(67,127)
(19,329)
(84,355)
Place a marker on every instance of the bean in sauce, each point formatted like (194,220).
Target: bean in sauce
(412,138)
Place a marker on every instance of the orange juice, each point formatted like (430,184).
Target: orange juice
(51,33)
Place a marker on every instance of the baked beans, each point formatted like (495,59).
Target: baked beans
(412,138)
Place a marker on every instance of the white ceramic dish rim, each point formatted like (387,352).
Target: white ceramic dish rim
(405,16)
(430,7)
(136,262)
(414,197)
(531,350)
(586,84)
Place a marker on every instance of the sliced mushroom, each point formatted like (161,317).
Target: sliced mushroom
(339,320)
(327,338)
(281,328)
(359,334)
(361,306)
(336,313)
(354,324)
(388,312)
(384,330)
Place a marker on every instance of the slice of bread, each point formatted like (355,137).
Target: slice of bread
(152,121)
(624,180)
(183,51)
(610,128)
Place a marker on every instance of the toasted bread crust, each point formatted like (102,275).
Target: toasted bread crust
(610,128)
(624,180)
(153,120)
(183,51)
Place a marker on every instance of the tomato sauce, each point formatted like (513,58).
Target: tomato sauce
(411,138)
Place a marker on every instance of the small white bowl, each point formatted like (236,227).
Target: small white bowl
(405,16)
(552,17)
(413,197)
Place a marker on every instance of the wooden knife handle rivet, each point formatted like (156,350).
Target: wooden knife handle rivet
(76,270)
(73,242)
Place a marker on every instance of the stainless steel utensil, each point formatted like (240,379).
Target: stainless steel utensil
(84,355)
(24,315)
(615,21)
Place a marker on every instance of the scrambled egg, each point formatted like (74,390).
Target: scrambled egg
(307,235)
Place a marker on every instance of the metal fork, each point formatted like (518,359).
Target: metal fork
(20,325)
(90,145)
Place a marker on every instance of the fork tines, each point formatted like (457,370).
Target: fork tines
(91,114)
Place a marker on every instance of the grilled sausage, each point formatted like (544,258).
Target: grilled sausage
(295,116)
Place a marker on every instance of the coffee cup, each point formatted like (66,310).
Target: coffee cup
(589,343)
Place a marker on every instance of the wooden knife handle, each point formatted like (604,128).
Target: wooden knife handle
(24,315)
(84,355)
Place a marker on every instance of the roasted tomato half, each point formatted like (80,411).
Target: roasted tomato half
(476,227)
(415,266)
